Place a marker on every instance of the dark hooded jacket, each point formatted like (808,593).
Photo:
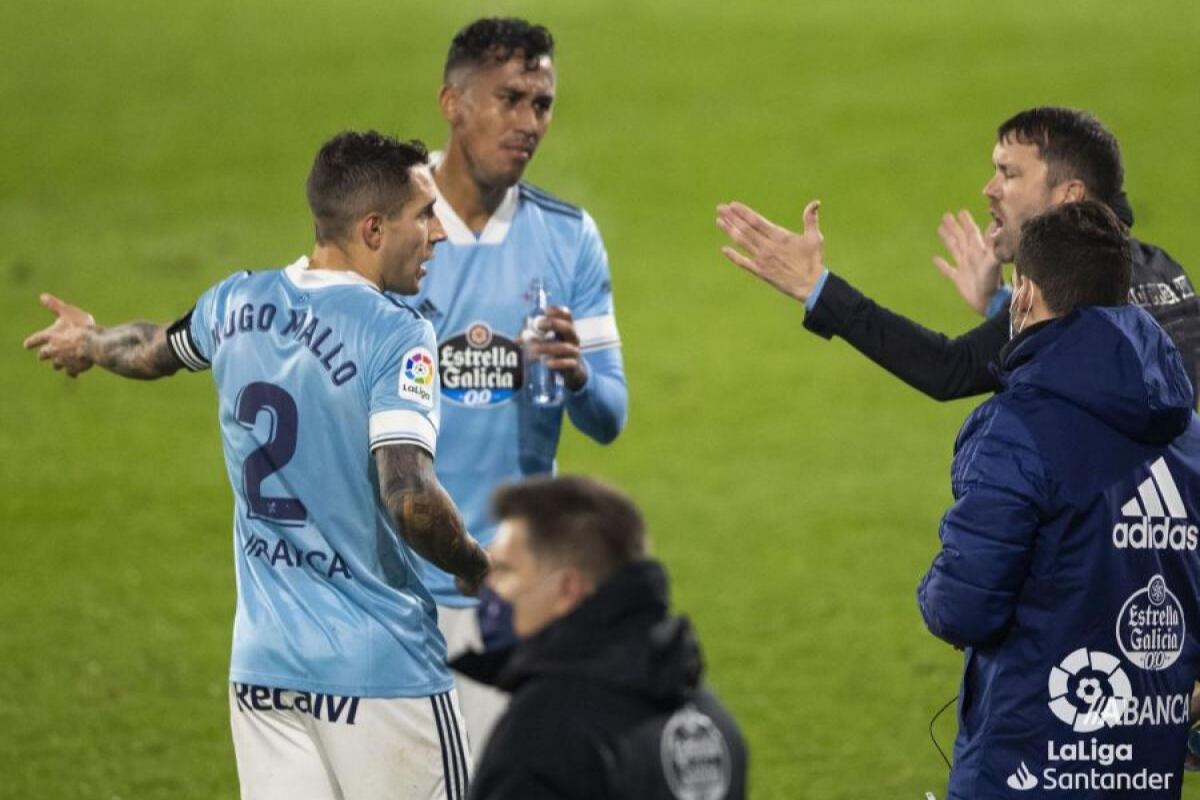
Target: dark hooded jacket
(607,703)
(1069,568)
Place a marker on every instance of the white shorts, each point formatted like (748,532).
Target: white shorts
(482,705)
(311,746)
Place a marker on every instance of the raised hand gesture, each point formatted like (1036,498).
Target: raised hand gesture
(791,262)
(975,271)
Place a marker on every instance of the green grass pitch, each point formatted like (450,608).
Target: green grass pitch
(793,489)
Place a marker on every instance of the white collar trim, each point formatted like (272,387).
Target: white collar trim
(457,231)
(299,273)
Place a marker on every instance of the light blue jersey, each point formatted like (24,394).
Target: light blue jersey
(314,370)
(476,294)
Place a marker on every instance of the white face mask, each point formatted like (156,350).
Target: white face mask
(1013,329)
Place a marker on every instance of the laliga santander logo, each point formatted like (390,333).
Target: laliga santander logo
(1089,690)
(1022,780)
(418,368)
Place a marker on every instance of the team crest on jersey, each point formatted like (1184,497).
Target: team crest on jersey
(416,376)
(480,367)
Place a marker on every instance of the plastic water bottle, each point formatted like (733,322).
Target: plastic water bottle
(543,386)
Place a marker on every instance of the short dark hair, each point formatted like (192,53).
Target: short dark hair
(355,174)
(1074,145)
(494,40)
(1078,254)
(576,521)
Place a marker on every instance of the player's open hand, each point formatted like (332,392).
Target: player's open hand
(975,272)
(561,347)
(65,342)
(791,262)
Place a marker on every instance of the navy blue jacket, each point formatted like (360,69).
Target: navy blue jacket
(1069,568)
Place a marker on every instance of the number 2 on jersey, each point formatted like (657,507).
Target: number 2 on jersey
(274,454)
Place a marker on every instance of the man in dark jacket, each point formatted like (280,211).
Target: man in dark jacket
(1069,570)
(606,694)
(1042,157)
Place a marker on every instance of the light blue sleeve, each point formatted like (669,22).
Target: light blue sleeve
(999,301)
(599,409)
(815,294)
(405,402)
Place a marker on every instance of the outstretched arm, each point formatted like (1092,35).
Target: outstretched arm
(941,367)
(75,343)
(426,516)
(793,263)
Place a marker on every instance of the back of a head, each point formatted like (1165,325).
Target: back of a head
(576,521)
(1078,254)
(356,174)
(1074,145)
(494,40)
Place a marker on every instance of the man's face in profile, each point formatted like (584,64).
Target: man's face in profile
(1018,190)
(530,584)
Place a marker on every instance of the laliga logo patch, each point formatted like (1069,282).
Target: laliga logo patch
(1151,628)
(1089,690)
(416,376)
(418,368)
(695,757)
(480,367)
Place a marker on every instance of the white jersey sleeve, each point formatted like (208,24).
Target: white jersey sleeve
(591,294)
(405,403)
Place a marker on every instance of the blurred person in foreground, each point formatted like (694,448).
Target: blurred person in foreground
(505,238)
(607,700)
(1068,569)
(329,413)
(1043,157)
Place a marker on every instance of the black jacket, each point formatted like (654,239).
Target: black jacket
(607,703)
(947,369)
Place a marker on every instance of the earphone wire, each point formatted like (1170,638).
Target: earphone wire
(933,738)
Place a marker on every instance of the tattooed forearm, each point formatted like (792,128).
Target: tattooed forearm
(134,350)
(425,514)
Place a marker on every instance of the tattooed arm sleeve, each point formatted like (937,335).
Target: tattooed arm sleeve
(425,515)
(134,350)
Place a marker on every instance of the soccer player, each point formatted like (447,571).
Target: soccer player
(329,415)
(503,235)
(1043,157)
